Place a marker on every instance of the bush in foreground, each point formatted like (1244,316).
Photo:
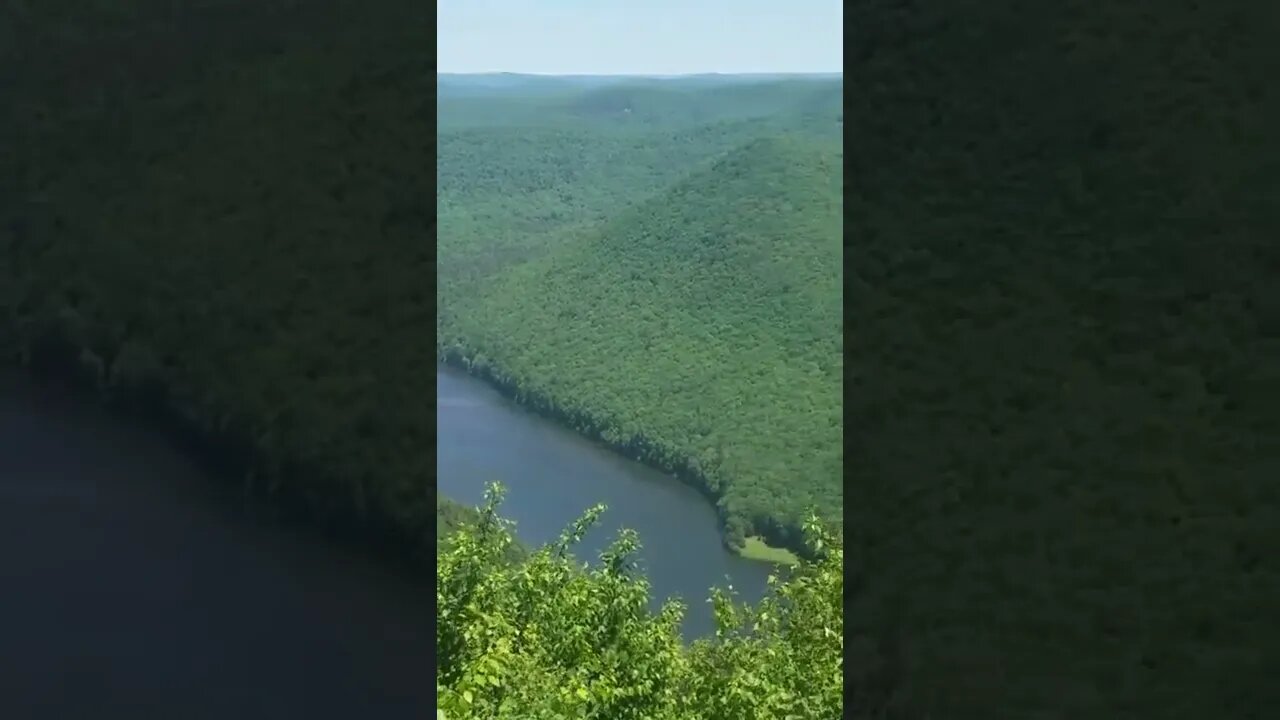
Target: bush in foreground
(548,638)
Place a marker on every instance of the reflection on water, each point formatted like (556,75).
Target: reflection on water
(553,475)
(131,587)
(456,403)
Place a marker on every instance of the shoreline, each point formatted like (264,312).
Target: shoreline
(759,544)
(233,458)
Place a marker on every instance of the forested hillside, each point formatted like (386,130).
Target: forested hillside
(632,104)
(668,285)
(221,211)
(1063,489)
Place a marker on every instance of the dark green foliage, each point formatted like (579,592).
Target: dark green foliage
(673,292)
(225,208)
(1064,402)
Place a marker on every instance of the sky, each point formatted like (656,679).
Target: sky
(639,37)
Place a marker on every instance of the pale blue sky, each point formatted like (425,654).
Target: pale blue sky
(657,37)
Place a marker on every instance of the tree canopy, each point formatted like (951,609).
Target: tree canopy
(1062,355)
(224,209)
(659,267)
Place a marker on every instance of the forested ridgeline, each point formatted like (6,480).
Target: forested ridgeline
(1063,490)
(674,293)
(629,104)
(223,210)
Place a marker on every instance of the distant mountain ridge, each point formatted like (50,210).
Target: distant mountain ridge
(612,101)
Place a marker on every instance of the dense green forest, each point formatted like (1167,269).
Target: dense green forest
(657,263)
(1064,328)
(218,217)
(221,211)
(509,651)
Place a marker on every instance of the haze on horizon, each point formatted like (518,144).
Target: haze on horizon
(663,37)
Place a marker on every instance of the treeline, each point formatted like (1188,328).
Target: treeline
(631,104)
(506,194)
(219,211)
(543,638)
(692,319)
(1063,341)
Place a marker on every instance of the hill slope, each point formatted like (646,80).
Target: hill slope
(700,330)
(195,225)
(506,195)
(1066,501)
(629,103)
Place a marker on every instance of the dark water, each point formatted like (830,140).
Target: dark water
(130,586)
(552,475)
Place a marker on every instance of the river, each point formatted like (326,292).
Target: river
(553,474)
(132,586)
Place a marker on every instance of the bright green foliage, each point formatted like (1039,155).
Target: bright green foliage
(674,291)
(546,638)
